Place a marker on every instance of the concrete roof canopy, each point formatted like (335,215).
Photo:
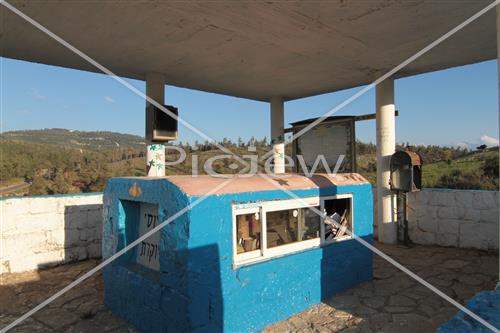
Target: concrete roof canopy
(252,50)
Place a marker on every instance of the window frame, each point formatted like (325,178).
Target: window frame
(263,207)
(247,256)
(349,196)
(276,206)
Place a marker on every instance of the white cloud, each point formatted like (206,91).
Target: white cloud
(109,99)
(463,145)
(489,141)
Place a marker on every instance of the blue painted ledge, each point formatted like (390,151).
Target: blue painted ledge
(486,305)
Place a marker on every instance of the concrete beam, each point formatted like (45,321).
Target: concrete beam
(155,87)
(386,146)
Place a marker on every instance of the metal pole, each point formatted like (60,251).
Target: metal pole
(498,64)
(278,134)
(386,146)
(155,153)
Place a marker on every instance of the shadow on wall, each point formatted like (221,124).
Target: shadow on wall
(348,260)
(184,296)
(78,238)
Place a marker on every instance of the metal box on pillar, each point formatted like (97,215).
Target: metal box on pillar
(160,125)
(406,171)
(240,258)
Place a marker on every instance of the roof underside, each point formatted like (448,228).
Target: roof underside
(252,50)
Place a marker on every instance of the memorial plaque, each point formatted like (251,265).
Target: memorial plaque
(333,137)
(148,251)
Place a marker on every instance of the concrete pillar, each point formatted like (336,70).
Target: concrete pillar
(498,64)
(155,154)
(278,134)
(386,146)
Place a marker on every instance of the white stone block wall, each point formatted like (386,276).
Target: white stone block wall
(38,232)
(457,218)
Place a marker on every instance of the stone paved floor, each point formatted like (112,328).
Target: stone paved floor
(392,302)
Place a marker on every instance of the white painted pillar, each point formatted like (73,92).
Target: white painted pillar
(155,154)
(498,64)
(386,146)
(278,134)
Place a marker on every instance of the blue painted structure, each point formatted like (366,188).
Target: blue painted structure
(197,288)
(486,304)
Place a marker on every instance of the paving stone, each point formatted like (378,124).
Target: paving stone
(364,310)
(337,325)
(472,280)
(320,319)
(427,309)
(344,302)
(57,319)
(321,329)
(354,321)
(379,320)
(364,290)
(392,303)
(280,327)
(351,330)
(341,315)
(398,309)
(412,323)
(31,325)
(298,323)
(443,314)
(413,295)
(454,263)
(374,302)
(399,300)
(437,282)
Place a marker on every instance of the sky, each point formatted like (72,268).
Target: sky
(457,106)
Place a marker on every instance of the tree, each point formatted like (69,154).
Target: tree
(39,186)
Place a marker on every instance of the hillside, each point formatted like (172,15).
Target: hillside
(97,141)
(61,161)
(57,168)
(444,167)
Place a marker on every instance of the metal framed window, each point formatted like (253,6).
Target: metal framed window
(342,206)
(268,229)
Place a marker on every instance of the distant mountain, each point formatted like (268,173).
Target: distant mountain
(97,141)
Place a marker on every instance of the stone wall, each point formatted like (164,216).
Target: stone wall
(43,231)
(457,218)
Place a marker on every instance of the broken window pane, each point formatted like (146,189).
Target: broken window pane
(339,210)
(292,225)
(248,230)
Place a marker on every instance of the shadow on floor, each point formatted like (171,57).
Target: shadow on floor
(393,301)
(79,310)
